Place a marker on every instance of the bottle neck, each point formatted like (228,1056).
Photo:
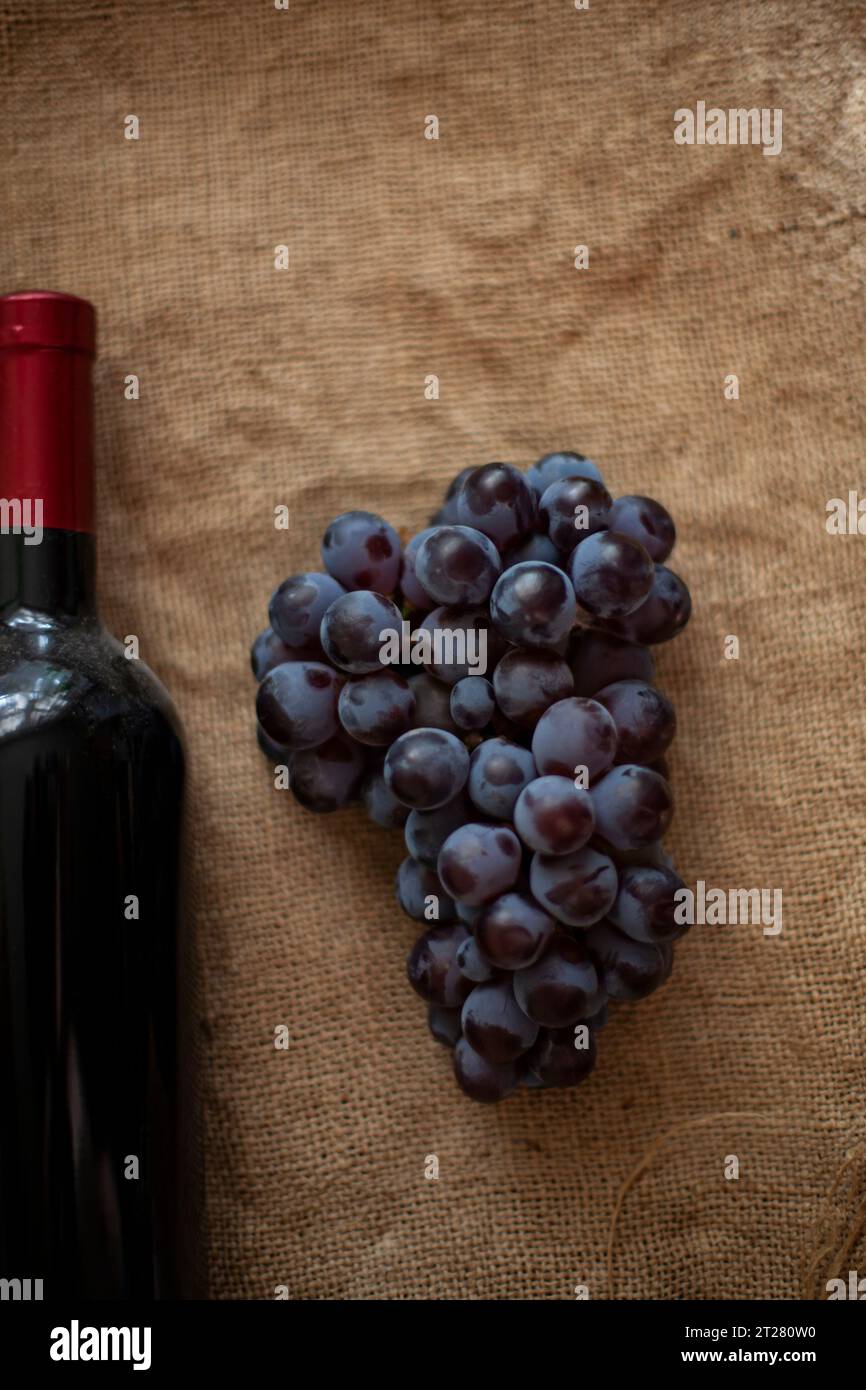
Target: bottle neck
(47,548)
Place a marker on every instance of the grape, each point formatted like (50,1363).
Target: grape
(363,552)
(267,652)
(494,1024)
(457,565)
(327,777)
(473,964)
(498,772)
(353,627)
(298,606)
(633,806)
(629,969)
(534,547)
(472,702)
(432,703)
(376,709)
(555,466)
(513,931)
(426,767)
(432,966)
(444,1024)
(611,573)
(662,767)
(645,720)
(415,886)
(599,659)
(479,862)
(275,751)
(409,582)
(448,511)
(497,500)
(485,645)
(572,509)
(553,816)
(296,704)
(577,888)
(526,683)
(427,831)
(561,987)
(647,521)
(574,733)
(479,1079)
(381,804)
(662,614)
(468,914)
(533,604)
(645,905)
(556,1061)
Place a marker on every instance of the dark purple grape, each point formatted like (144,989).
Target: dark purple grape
(534,547)
(513,930)
(526,683)
(662,615)
(457,565)
(327,777)
(363,552)
(420,894)
(275,751)
(432,966)
(448,511)
(468,914)
(432,703)
(427,831)
(533,604)
(376,709)
(298,606)
(552,467)
(479,1079)
(410,584)
(426,767)
(494,1024)
(473,964)
(381,804)
(646,905)
(553,816)
(267,652)
(561,987)
(628,969)
(354,629)
(599,659)
(647,521)
(611,573)
(577,888)
(645,720)
(497,500)
(633,806)
(472,702)
(296,704)
(498,772)
(556,1059)
(479,862)
(572,509)
(574,733)
(662,767)
(444,1024)
(465,643)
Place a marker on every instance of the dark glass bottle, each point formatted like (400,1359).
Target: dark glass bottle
(91,788)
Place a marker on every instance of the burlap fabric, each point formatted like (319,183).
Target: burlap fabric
(408,258)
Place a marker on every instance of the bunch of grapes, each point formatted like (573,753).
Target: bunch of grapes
(526,767)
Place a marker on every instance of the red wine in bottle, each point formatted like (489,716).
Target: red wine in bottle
(91,786)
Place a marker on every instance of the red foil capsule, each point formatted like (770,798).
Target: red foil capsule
(47,346)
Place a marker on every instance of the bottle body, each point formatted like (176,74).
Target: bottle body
(91,794)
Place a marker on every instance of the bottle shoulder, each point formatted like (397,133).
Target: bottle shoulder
(77,673)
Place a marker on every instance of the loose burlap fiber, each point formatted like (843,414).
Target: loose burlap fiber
(454,257)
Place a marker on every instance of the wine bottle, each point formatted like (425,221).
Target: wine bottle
(91,785)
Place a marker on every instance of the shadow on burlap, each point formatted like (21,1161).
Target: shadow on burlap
(410,257)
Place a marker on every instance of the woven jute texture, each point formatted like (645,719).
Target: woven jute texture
(411,257)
